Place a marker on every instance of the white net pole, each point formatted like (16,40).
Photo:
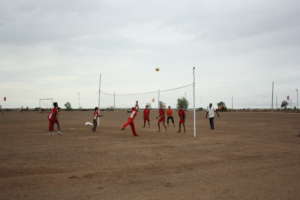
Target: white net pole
(99,96)
(114,100)
(194,101)
(158,98)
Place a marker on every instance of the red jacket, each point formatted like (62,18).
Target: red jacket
(181,114)
(133,113)
(161,113)
(53,114)
(146,113)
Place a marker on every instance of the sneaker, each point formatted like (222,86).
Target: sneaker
(59,133)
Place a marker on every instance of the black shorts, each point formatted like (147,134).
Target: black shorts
(170,118)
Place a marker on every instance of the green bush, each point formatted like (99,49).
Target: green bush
(68,106)
(182,103)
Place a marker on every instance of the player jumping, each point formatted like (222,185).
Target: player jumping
(131,118)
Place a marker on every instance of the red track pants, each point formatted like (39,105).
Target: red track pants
(131,123)
(52,123)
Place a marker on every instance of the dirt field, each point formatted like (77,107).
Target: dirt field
(249,156)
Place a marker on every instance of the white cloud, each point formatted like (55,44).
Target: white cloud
(60,47)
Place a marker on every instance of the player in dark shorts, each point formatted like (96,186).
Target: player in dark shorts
(170,116)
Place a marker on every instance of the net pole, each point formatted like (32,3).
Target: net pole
(272,103)
(194,101)
(158,98)
(78,100)
(99,95)
(114,100)
(297,91)
(40,105)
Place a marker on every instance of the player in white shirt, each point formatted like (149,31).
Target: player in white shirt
(210,114)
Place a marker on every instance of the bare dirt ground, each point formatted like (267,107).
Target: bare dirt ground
(249,156)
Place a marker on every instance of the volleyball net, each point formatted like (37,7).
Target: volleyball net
(126,100)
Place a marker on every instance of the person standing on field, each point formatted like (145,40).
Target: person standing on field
(95,118)
(146,116)
(181,114)
(170,116)
(53,119)
(162,116)
(210,114)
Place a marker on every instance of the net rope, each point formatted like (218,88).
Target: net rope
(143,93)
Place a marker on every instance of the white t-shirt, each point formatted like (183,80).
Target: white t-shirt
(211,112)
(132,115)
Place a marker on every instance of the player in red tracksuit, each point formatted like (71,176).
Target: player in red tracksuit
(146,116)
(131,118)
(53,119)
(181,114)
(161,118)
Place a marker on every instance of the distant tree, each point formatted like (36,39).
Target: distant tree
(182,103)
(149,105)
(284,104)
(222,106)
(68,106)
(200,109)
(162,104)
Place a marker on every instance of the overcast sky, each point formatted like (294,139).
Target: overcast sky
(56,48)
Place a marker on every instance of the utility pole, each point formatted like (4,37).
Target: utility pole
(158,98)
(78,100)
(99,95)
(194,101)
(297,91)
(99,92)
(114,100)
(272,96)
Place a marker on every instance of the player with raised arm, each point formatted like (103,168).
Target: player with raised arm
(130,121)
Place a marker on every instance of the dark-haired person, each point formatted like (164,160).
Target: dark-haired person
(181,115)
(146,116)
(130,120)
(170,116)
(53,119)
(210,114)
(161,117)
(96,115)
